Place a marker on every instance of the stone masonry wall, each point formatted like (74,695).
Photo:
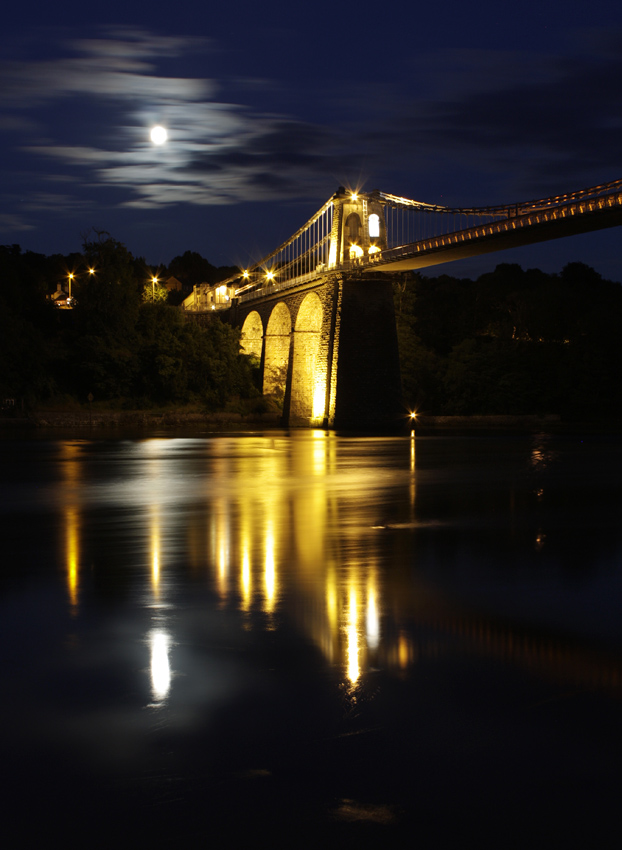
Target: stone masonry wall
(356,358)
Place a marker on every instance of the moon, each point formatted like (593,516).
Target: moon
(158,135)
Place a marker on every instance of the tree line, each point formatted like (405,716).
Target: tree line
(117,344)
(512,342)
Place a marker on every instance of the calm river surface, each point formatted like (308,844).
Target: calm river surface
(308,637)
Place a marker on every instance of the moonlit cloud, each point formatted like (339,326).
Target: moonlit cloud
(217,152)
(480,125)
(14,223)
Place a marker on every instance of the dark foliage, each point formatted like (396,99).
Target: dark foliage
(191,268)
(512,342)
(112,345)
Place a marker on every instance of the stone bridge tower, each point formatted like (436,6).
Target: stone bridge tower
(328,345)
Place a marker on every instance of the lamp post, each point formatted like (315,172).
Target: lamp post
(71,276)
(154,280)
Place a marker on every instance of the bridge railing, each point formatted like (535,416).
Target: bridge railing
(300,256)
(412,228)
(527,216)
(409,222)
(279,286)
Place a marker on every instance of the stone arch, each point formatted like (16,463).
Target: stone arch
(308,393)
(353,227)
(278,335)
(251,338)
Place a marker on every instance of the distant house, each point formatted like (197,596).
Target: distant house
(173,285)
(61,298)
(206,297)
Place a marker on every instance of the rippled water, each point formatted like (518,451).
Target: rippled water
(310,636)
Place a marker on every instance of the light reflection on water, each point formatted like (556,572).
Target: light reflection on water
(259,518)
(269,517)
(159,642)
(276,526)
(195,576)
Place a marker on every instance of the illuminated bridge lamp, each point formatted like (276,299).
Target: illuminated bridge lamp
(91,272)
(269,275)
(245,274)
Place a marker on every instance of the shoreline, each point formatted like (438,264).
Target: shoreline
(134,419)
(146,421)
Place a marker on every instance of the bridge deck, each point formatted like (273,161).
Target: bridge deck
(539,226)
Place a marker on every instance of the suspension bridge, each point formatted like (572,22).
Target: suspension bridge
(317,311)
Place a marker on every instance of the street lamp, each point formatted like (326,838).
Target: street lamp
(154,280)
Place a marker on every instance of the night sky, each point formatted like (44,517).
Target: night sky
(271,106)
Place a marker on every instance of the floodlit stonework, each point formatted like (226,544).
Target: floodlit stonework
(329,351)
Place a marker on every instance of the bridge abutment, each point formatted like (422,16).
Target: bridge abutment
(368,385)
(328,351)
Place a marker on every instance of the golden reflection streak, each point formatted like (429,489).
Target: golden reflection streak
(70,453)
(245,578)
(353,669)
(269,570)
(332,611)
(412,475)
(373,618)
(404,651)
(222,545)
(319,453)
(72,550)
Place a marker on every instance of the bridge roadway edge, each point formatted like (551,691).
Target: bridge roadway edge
(505,239)
(358,351)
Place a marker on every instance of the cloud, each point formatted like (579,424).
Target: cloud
(533,121)
(479,120)
(114,66)
(10,223)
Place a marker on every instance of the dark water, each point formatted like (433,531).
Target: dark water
(312,638)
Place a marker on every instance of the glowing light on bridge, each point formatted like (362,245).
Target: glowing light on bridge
(319,399)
